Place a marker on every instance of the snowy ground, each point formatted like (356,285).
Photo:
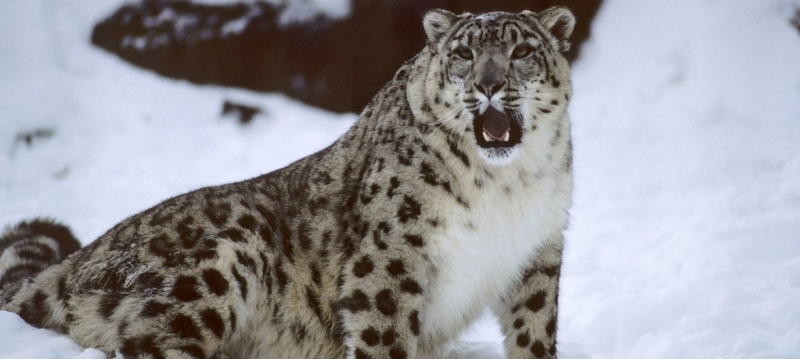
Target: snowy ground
(685,237)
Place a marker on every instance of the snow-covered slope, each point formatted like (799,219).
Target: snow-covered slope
(685,237)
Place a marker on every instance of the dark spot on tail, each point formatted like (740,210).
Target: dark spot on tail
(36,252)
(67,243)
(18,273)
(35,311)
(32,251)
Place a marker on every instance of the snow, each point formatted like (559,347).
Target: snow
(686,226)
(304,10)
(298,10)
(685,234)
(22,341)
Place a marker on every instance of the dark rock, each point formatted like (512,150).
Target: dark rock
(29,136)
(336,64)
(243,113)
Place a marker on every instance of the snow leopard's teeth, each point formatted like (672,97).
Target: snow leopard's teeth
(488,138)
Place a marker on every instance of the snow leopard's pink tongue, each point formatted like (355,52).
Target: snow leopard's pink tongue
(497,124)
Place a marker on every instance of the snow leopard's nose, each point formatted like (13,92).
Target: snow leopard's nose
(489,87)
(490,73)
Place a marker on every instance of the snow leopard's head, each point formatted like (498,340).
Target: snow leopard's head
(499,75)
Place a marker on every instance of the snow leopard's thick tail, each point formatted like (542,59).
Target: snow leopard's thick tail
(29,248)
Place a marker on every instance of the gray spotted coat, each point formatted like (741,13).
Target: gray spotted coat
(448,196)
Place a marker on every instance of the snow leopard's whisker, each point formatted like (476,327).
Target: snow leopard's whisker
(533,94)
(448,117)
(542,90)
(550,120)
(517,116)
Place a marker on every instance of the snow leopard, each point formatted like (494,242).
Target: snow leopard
(447,197)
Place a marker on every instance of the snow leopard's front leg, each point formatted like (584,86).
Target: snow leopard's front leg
(381,296)
(528,314)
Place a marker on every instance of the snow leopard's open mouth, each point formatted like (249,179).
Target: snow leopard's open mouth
(494,128)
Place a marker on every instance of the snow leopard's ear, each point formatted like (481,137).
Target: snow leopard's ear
(436,23)
(559,22)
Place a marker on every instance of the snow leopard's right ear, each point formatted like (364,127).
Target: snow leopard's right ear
(437,22)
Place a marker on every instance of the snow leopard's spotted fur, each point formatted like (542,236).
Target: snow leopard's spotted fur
(384,245)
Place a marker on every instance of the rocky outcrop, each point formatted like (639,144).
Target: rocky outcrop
(334,61)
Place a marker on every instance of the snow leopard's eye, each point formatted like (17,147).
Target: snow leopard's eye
(463,53)
(522,51)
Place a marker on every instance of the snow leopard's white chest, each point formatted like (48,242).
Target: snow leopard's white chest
(484,249)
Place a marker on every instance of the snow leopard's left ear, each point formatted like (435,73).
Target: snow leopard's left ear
(559,22)
(436,23)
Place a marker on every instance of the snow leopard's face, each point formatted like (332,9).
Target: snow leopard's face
(500,75)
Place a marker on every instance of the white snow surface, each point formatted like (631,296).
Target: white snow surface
(685,232)
(298,10)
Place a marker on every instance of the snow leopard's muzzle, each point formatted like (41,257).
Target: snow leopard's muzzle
(497,126)
(498,129)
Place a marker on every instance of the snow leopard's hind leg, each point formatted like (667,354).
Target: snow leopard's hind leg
(26,250)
